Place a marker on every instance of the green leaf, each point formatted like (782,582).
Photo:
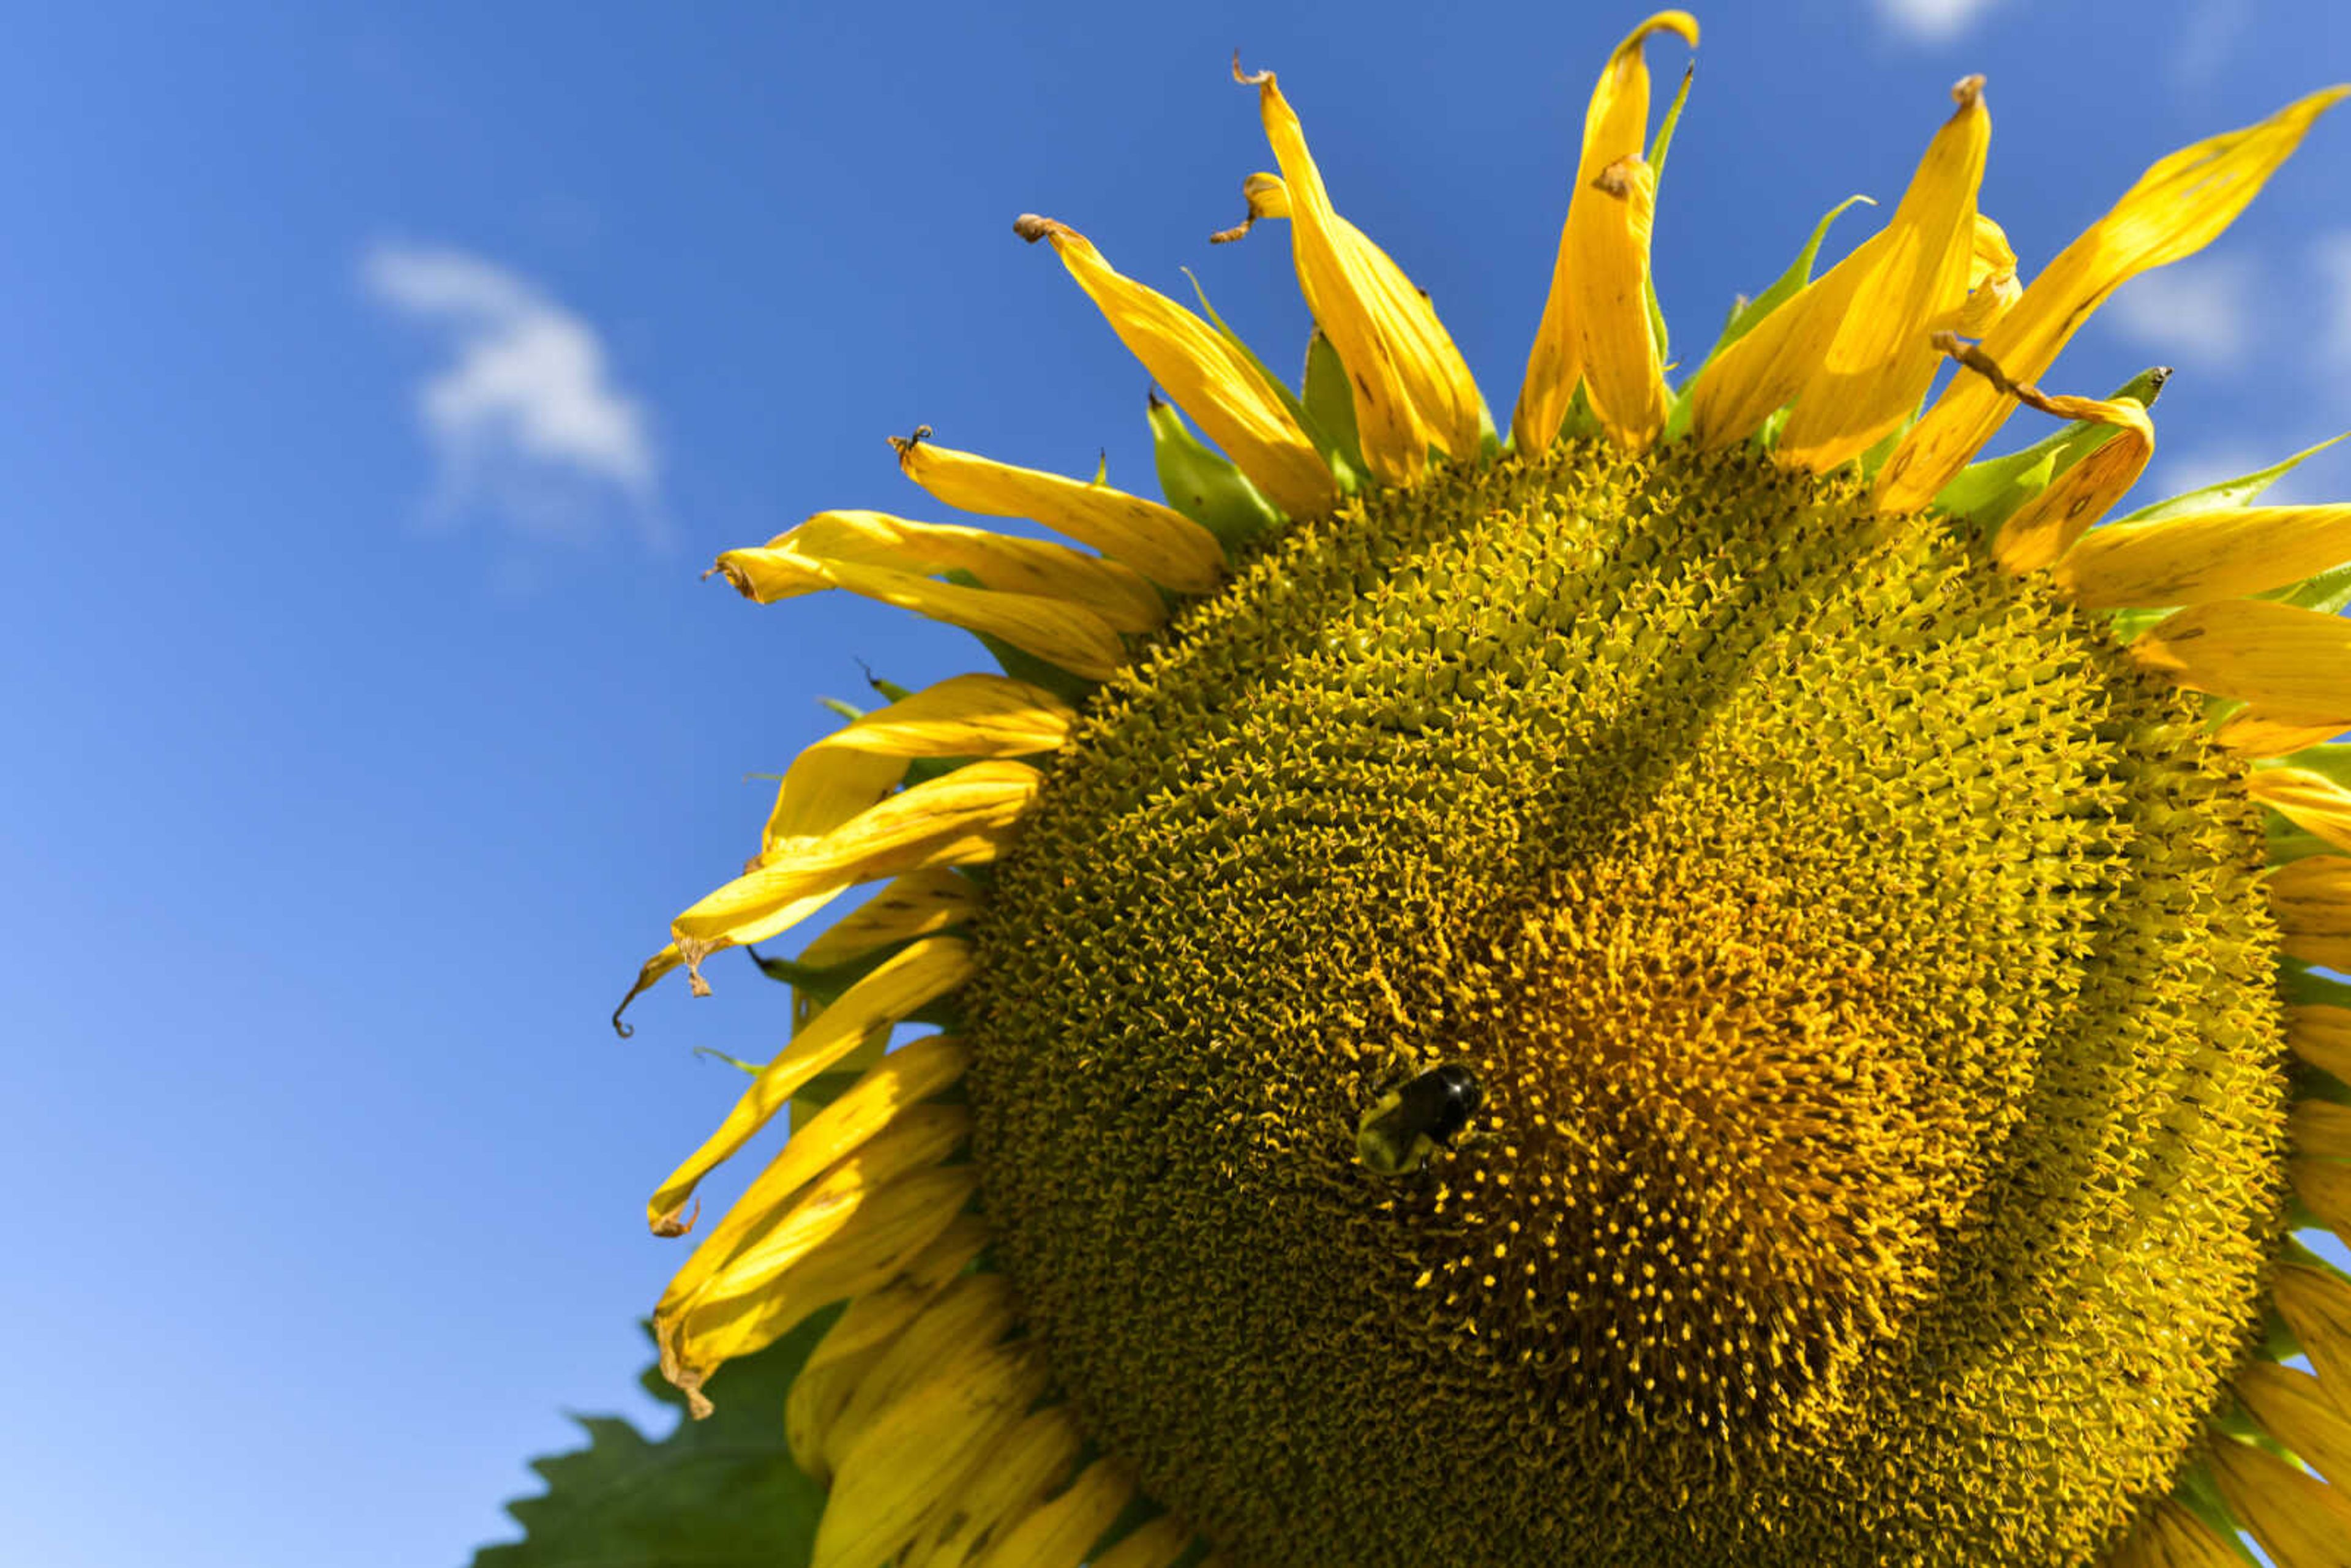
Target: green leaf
(1203,486)
(1987,494)
(716,1493)
(2229,494)
(1657,151)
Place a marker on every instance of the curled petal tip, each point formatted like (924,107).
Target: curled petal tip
(1248,78)
(1967,91)
(1032,228)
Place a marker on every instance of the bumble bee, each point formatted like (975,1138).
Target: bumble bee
(1409,1122)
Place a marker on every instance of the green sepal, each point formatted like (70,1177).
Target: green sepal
(722,1492)
(1202,485)
(823,1090)
(2229,494)
(1744,317)
(848,711)
(1331,400)
(1327,445)
(2328,592)
(737,1062)
(2308,1082)
(2285,843)
(824,986)
(2329,760)
(1657,151)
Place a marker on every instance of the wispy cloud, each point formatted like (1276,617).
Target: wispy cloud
(526,419)
(1933,20)
(2196,313)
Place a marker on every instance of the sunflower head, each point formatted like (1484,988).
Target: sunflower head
(1711,982)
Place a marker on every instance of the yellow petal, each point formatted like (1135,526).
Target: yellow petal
(2289,1404)
(2254,734)
(1601,223)
(893,1225)
(2291,664)
(2171,1537)
(922,974)
(1211,380)
(2311,802)
(1158,541)
(875,1319)
(913,1073)
(960,818)
(2301,1521)
(925,1449)
(1058,1533)
(1436,379)
(815,1401)
(917,905)
(1622,375)
(1992,288)
(1157,1544)
(973,716)
(1880,356)
(2176,208)
(1855,345)
(2316,1306)
(919,1138)
(969,1316)
(1034,1459)
(795,562)
(2325,1188)
(2321,1129)
(2205,555)
(2321,1035)
(1411,389)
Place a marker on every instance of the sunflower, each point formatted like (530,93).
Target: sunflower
(1711,982)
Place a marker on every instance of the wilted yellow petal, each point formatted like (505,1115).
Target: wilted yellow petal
(2176,208)
(1992,288)
(2321,1035)
(1855,346)
(2171,1537)
(2309,801)
(960,818)
(893,1225)
(1036,1458)
(925,1449)
(1058,1534)
(2205,555)
(922,974)
(1411,389)
(1603,227)
(1879,356)
(1160,542)
(2040,532)
(1208,378)
(815,1401)
(2316,1306)
(2293,666)
(2301,1521)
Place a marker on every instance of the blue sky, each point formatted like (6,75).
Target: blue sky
(377,385)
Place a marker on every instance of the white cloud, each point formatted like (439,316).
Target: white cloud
(526,419)
(2331,253)
(1933,20)
(2194,314)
